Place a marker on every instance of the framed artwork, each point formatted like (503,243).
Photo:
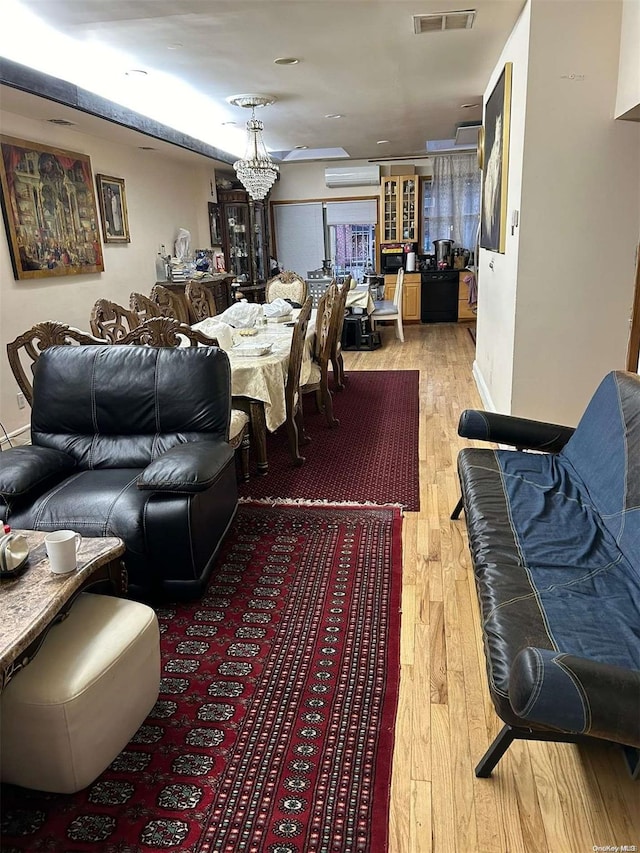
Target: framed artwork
(215,226)
(49,210)
(495,158)
(113,209)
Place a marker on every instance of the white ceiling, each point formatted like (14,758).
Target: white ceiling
(359,58)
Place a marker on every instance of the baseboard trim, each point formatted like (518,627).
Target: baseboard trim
(483,389)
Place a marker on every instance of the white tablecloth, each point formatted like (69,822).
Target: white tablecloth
(264,377)
(360,297)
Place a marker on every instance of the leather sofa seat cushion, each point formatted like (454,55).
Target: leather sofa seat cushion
(67,715)
(105,502)
(175,534)
(549,572)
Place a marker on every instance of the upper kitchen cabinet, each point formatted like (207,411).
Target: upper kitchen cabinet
(244,236)
(399,204)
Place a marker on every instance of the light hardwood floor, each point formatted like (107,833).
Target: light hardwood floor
(542,796)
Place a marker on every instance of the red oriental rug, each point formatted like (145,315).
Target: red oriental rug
(274,727)
(371,457)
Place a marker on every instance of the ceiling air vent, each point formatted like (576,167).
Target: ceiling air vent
(62,122)
(440,21)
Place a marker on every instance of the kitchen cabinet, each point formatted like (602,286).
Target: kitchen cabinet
(399,206)
(410,294)
(245,236)
(465,311)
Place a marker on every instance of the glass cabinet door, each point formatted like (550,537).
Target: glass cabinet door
(259,243)
(238,233)
(409,209)
(390,194)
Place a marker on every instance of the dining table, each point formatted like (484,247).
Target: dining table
(360,301)
(258,381)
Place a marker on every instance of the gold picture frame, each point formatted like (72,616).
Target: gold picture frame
(495,156)
(113,209)
(49,209)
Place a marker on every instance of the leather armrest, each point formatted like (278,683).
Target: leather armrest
(24,468)
(187,468)
(520,432)
(575,694)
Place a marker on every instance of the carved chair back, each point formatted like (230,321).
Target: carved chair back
(298,341)
(143,307)
(325,323)
(166,332)
(286,285)
(339,310)
(111,321)
(26,348)
(201,300)
(169,304)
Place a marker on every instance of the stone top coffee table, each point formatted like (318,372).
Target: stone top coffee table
(37,598)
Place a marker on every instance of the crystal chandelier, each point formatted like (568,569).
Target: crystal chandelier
(257,172)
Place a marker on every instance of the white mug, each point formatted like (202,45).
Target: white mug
(62,550)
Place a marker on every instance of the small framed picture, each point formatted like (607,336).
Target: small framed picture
(113,209)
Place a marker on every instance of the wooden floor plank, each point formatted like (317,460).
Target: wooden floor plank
(420,840)
(421,720)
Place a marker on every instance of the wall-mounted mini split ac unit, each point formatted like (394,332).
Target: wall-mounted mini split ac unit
(352,176)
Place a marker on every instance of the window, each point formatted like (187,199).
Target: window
(352,236)
(451,202)
(343,231)
(352,249)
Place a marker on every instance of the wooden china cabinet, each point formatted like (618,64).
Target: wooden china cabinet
(245,236)
(400,208)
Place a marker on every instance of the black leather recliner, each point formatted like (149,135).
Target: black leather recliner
(130,442)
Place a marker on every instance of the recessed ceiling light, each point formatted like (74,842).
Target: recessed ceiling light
(135,72)
(468,106)
(62,122)
(227,123)
(176,45)
(146,148)
(382,142)
(300,147)
(334,115)
(286,60)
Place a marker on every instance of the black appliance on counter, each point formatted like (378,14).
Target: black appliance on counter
(439,296)
(391,258)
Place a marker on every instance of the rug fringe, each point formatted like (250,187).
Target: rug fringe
(318,502)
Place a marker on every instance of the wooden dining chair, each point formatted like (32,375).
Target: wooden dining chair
(167,332)
(318,381)
(286,285)
(201,300)
(293,399)
(143,307)
(340,309)
(169,304)
(391,310)
(24,351)
(111,321)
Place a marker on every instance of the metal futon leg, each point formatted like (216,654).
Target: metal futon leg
(459,507)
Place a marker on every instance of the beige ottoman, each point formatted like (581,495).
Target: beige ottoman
(66,715)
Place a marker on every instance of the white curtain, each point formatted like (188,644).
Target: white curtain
(455,210)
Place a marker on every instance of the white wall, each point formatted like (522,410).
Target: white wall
(163,194)
(629,68)
(305,181)
(572,262)
(497,285)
